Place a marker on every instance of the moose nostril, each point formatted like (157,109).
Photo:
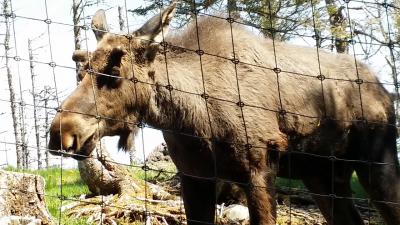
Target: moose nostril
(74,143)
(67,141)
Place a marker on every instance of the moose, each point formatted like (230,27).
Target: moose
(237,107)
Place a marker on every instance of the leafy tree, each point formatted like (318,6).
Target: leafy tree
(279,19)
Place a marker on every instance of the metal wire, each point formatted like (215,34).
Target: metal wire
(236,62)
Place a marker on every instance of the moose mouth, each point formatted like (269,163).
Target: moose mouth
(81,153)
(86,149)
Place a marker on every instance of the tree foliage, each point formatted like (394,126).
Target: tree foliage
(280,19)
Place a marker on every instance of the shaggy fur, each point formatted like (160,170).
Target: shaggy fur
(254,123)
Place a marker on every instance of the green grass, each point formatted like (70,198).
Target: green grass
(165,173)
(358,191)
(72,187)
(289,183)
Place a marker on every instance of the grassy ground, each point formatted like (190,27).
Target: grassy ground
(358,191)
(164,172)
(72,187)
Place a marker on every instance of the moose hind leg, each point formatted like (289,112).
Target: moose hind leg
(382,182)
(199,200)
(335,205)
(379,173)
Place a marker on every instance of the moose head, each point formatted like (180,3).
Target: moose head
(102,103)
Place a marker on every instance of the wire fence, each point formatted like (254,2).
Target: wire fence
(51,67)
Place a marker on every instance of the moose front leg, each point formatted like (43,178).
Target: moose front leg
(260,198)
(199,200)
(261,190)
(196,170)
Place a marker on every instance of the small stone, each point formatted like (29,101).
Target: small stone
(236,213)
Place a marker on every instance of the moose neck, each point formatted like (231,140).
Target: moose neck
(174,101)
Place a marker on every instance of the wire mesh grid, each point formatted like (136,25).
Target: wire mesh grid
(281,112)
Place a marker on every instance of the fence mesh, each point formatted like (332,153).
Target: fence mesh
(20,25)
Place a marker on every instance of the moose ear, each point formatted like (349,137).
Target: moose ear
(154,30)
(99,24)
(81,56)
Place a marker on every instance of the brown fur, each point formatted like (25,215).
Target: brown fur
(217,139)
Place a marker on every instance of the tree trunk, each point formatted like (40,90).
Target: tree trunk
(46,135)
(46,96)
(232,9)
(21,197)
(35,117)
(102,175)
(76,17)
(338,23)
(121,19)
(16,125)
(22,128)
(132,156)
(269,19)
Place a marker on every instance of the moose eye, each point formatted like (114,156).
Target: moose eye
(83,69)
(109,78)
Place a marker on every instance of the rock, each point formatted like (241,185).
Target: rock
(158,193)
(236,214)
(22,199)
(159,158)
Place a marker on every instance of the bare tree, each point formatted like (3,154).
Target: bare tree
(45,97)
(121,19)
(77,10)
(22,128)
(13,104)
(35,116)
(377,36)
(46,124)
(78,7)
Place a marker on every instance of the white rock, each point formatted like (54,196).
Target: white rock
(236,213)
